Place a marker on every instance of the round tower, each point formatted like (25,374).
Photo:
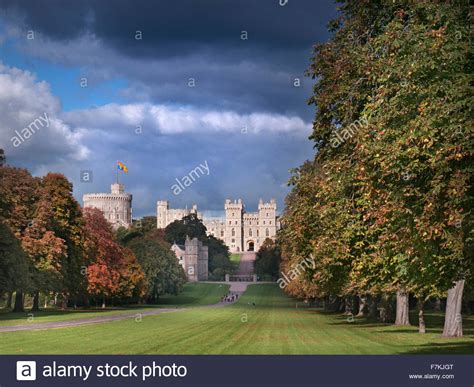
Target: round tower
(116,205)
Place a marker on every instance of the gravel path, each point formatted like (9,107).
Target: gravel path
(245,268)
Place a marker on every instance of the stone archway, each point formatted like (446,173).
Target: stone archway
(250,246)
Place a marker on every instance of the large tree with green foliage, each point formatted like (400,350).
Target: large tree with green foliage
(192,226)
(267,261)
(386,205)
(163,273)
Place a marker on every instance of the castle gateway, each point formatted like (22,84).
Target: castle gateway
(239,230)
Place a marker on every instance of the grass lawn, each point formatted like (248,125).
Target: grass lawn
(272,326)
(235,259)
(193,294)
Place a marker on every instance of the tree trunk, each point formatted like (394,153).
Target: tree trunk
(386,309)
(362,306)
(437,305)
(103,302)
(373,303)
(9,300)
(402,317)
(453,318)
(348,305)
(18,302)
(64,301)
(35,307)
(421,315)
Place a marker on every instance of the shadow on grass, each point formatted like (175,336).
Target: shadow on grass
(434,322)
(451,346)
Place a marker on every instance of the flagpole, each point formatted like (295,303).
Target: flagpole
(117,173)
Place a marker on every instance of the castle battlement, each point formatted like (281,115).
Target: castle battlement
(116,205)
(239,230)
(106,196)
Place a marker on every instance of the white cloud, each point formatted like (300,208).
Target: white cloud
(171,120)
(22,100)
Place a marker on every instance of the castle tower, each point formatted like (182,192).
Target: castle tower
(116,205)
(162,207)
(267,220)
(233,225)
(191,247)
(117,188)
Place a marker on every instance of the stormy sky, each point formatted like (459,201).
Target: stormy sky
(162,86)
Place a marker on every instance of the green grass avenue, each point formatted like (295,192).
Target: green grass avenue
(274,325)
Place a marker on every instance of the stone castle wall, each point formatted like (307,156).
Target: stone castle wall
(239,230)
(116,206)
(194,258)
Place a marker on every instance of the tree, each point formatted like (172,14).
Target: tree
(163,273)
(218,252)
(268,259)
(113,271)
(385,206)
(67,223)
(190,225)
(18,196)
(219,258)
(14,272)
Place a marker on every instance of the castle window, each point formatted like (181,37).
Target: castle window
(232,214)
(235,222)
(270,222)
(267,232)
(233,240)
(250,232)
(263,222)
(230,222)
(233,232)
(222,233)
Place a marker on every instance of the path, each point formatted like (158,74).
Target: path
(237,287)
(246,263)
(86,321)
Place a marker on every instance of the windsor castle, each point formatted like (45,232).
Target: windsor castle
(239,230)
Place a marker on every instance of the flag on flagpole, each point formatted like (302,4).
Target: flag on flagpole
(122,167)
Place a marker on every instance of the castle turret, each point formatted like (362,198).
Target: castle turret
(116,205)
(233,224)
(162,207)
(267,219)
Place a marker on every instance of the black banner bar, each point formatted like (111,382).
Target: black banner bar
(230,370)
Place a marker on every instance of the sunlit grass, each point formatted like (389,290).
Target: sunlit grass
(272,326)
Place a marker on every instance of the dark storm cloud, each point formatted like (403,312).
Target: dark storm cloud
(187,24)
(237,82)
(188,39)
